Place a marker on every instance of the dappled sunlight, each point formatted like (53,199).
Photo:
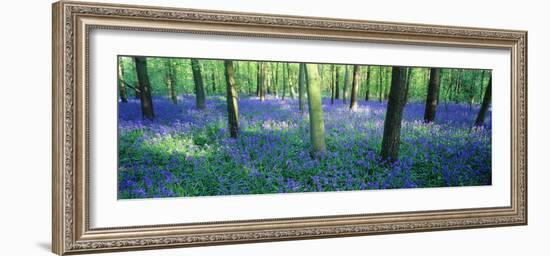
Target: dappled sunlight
(187,152)
(198,127)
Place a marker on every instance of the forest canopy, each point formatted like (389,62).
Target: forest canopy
(457,85)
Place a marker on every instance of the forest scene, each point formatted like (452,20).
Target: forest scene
(200,127)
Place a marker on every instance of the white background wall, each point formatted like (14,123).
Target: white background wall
(25,117)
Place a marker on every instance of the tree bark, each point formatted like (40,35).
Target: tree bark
(214,81)
(316,121)
(380,92)
(387,84)
(346,81)
(170,81)
(199,86)
(301,87)
(433,95)
(291,89)
(367,84)
(337,89)
(457,87)
(485,104)
(482,81)
(144,88)
(261,82)
(392,123)
(333,84)
(258,79)
(354,88)
(122,87)
(232,103)
(285,79)
(276,80)
(409,78)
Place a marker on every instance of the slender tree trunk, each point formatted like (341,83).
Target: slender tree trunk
(367,84)
(249,77)
(337,89)
(392,123)
(433,95)
(214,81)
(232,103)
(408,88)
(380,92)
(144,88)
(199,86)
(452,80)
(258,79)
(387,84)
(484,105)
(291,89)
(473,88)
(457,87)
(261,81)
(285,79)
(268,80)
(271,88)
(170,81)
(121,86)
(346,81)
(316,121)
(482,81)
(301,87)
(333,84)
(354,88)
(276,80)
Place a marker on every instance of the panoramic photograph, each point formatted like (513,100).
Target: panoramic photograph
(191,127)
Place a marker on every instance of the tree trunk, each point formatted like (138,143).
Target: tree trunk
(144,88)
(452,81)
(249,77)
(199,86)
(232,104)
(291,90)
(285,79)
(387,84)
(316,122)
(170,81)
(258,80)
(271,80)
(482,81)
(261,82)
(354,88)
(121,86)
(367,84)
(214,81)
(380,92)
(267,78)
(484,105)
(276,80)
(394,114)
(457,87)
(346,81)
(409,78)
(337,89)
(474,88)
(333,84)
(433,95)
(301,87)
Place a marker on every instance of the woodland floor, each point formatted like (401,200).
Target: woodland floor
(187,152)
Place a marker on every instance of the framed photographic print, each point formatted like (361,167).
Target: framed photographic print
(179,127)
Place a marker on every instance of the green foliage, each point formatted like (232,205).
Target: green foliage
(457,85)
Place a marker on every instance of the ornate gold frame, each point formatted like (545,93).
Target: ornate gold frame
(72,21)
